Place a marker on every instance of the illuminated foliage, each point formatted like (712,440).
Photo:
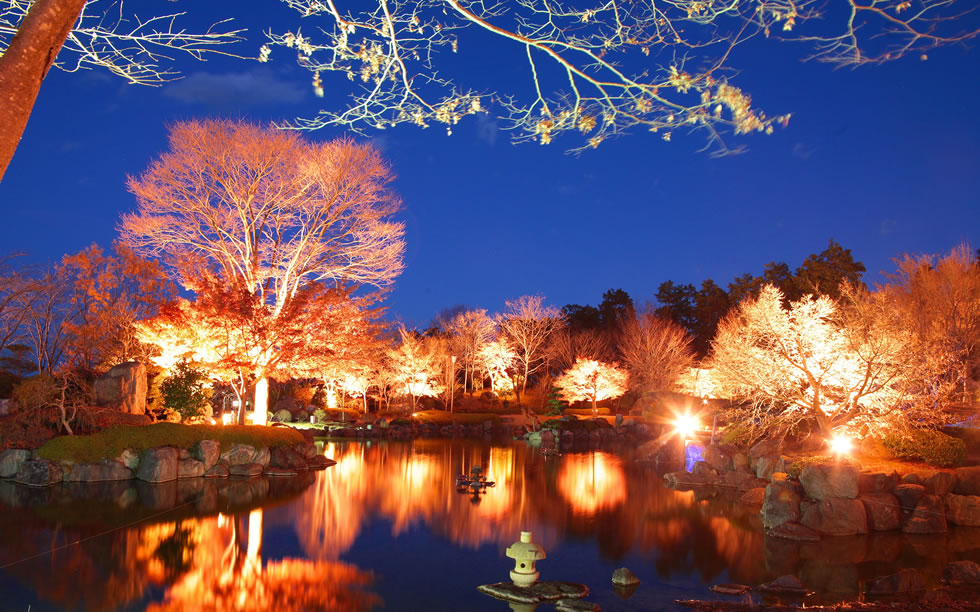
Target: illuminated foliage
(264,211)
(498,358)
(656,352)
(814,361)
(415,367)
(469,330)
(593,381)
(526,325)
(592,71)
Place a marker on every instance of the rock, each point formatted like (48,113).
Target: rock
(158,464)
(967,480)
(784,584)
(129,458)
(782,504)
(247,470)
(794,531)
(669,452)
(754,497)
(319,462)
(190,468)
(913,478)
(941,483)
(207,452)
(730,589)
(183,453)
(576,605)
(536,593)
(766,465)
(743,481)
(238,454)
(877,482)
(124,388)
(261,457)
(909,495)
(681,480)
(962,572)
(905,581)
(836,516)
(624,577)
(703,469)
(286,457)
(823,481)
(307,451)
(39,473)
(883,509)
(717,457)
(765,448)
(218,470)
(740,461)
(11,460)
(107,469)
(279,472)
(962,509)
(929,516)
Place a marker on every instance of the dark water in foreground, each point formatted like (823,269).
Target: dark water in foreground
(386,529)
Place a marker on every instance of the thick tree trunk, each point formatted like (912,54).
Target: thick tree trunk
(26,62)
(260,412)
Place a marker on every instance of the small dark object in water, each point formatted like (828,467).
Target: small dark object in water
(731,589)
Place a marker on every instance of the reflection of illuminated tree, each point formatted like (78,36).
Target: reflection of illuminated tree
(592,482)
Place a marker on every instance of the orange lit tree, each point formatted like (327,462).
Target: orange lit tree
(469,332)
(656,352)
(498,359)
(416,368)
(593,381)
(264,211)
(526,325)
(841,367)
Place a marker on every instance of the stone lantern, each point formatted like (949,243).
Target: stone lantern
(524,553)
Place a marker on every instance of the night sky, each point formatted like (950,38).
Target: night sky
(884,160)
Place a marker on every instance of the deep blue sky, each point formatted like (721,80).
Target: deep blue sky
(885,160)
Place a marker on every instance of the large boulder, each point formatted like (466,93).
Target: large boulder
(669,452)
(767,465)
(158,464)
(836,516)
(962,509)
(823,481)
(967,480)
(782,503)
(765,448)
(718,457)
(124,388)
(940,483)
(261,456)
(11,460)
(286,457)
(883,509)
(238,454)
(877,482)
(207,452)
(190,468)
(929,516)
(909,495)
(962,572)
(39,473)
(791,530)
(107,469)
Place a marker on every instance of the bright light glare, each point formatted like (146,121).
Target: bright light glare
(226,418)
(840,444)
(686,424)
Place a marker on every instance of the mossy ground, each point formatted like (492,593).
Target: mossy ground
(109,443)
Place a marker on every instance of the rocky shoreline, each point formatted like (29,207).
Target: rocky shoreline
(165,464)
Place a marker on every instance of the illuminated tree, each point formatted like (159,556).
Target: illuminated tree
(939,301)
(814,361)
(526,325)
(415,366)
(469,330)
(656,353)
(566,346)
(498,358)
(596,70)
(592,380)
(81,35)
(13,286)
(266,211)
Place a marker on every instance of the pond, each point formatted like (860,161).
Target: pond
(386,528)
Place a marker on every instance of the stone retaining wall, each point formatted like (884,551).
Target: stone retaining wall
(837,499)
(165,464)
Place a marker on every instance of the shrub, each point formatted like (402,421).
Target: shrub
(283,416)
(184,392)
(320,415)
(35,392)
(739,434)
(555,406)
(928,445)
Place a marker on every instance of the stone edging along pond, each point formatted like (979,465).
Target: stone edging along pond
(836,499)
(165,463)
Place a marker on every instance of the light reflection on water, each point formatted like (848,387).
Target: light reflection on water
(386,524)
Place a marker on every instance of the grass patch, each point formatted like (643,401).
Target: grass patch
(110,443)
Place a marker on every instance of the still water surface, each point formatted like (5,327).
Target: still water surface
(385,528)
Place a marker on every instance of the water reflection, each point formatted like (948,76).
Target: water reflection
(203,545)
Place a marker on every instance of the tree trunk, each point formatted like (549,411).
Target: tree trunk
(260,411)
(25,64)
